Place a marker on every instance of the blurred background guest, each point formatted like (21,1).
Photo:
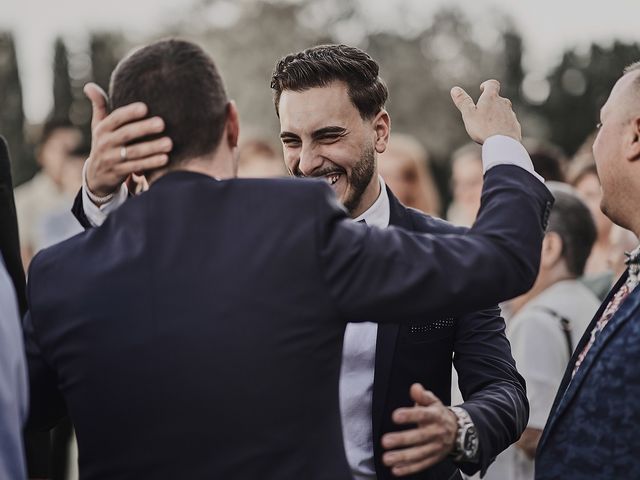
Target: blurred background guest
(584,177)
(547,323)
(45,192)
(548,159)
(466,184)
(406,170)
(58,223)
(257,158)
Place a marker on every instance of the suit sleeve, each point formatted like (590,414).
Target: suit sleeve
(47,406)
(373,273)
(78,211)
(90,215)
(493,390)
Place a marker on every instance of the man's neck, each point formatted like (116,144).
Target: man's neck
(369,196)
(216,165)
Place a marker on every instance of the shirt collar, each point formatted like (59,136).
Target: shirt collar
(377,215)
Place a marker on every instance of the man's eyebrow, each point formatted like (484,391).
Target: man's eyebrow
(288,135)
(333,130)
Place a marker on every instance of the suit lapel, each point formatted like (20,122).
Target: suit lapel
(387,333)
(569,387)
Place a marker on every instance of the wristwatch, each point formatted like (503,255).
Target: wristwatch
(467,444)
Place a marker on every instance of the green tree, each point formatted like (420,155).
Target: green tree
(513,71)
(12,120)
(580,84)
(106,49)
(62,91)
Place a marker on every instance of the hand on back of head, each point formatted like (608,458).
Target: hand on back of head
(113,159)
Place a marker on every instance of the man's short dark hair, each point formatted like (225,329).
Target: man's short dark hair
(324,64)
(571,219)
(52,125)
(179,82)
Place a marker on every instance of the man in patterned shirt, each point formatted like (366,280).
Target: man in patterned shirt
(592,431)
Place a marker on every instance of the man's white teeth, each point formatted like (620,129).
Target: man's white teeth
(332,179)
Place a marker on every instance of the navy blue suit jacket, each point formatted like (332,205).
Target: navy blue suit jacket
(198,332)
(592,431)
(494,391)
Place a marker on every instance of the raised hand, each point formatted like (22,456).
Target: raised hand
(113,158)
(425,445)
(492,115)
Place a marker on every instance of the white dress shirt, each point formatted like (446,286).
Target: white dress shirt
(358,369)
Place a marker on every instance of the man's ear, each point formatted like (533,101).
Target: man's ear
(382,127)
(634,140)
(551,249)
(232,126)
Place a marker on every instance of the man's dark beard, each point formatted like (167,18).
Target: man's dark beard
(360,178)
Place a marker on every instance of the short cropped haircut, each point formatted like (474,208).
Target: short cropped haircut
(571,219)
(324,64)
(179,82)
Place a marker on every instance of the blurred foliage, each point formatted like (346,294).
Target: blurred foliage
(12,121)
(62,92)
(419,63)
(580,85)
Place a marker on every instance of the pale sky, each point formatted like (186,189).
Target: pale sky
(548,26)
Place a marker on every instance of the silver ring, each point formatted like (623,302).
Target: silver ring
(123,153)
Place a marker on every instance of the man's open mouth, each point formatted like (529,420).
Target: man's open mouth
(332,178)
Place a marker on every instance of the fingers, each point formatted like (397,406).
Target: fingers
(403,416)
(403,469)
(421,396)
(134,131)
(411,455)
(99,102)
(121,116)
(408,438)
(148,149)
(127,168)
(490,88)
(462,100)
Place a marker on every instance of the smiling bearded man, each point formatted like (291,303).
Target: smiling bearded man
(331,103)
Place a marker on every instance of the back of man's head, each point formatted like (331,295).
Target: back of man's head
(572,221)
(180,83)
(322,65)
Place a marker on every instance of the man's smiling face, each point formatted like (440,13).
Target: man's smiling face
(324,135)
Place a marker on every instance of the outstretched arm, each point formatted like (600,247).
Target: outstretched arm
(380,274)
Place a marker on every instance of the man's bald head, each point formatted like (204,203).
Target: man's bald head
(617,150)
